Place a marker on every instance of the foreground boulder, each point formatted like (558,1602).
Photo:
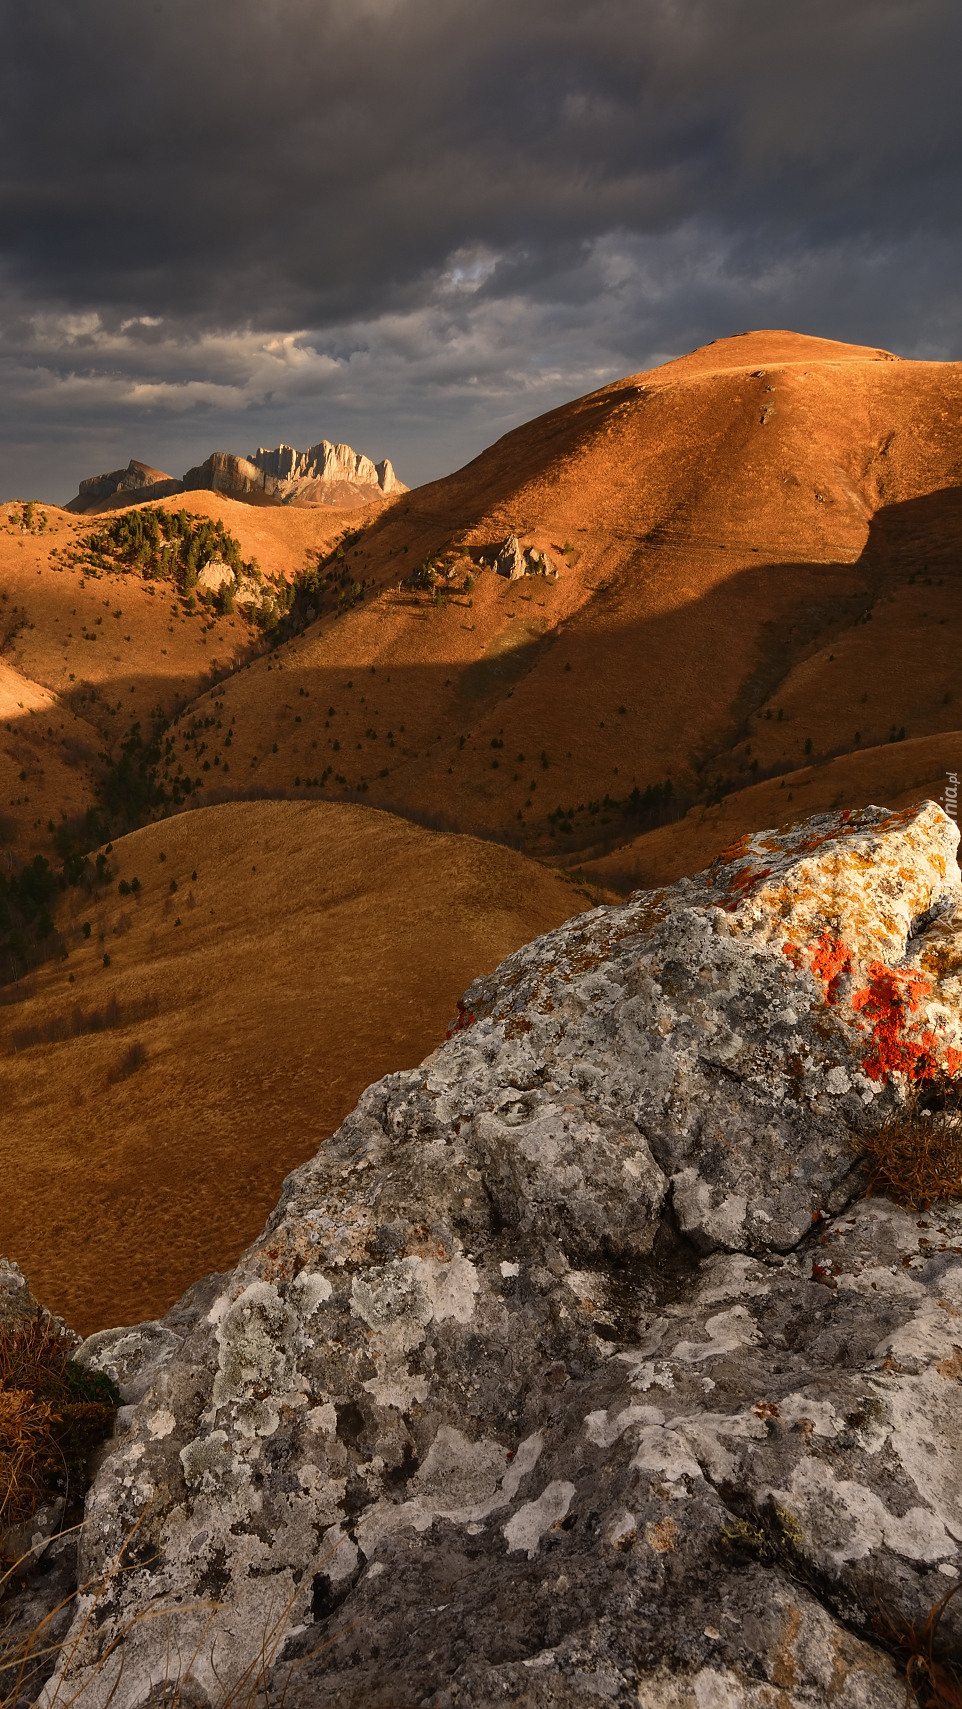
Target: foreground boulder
(577,1366)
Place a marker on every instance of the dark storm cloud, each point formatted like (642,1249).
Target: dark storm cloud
(222,218)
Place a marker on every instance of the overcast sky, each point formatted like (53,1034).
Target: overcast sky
(411,224)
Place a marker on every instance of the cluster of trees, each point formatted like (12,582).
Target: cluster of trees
(25,919)
(303,599)
(27,931)
(32,518)
(656,796)
(166,545)
(435,570)
(133,786)
(648,805)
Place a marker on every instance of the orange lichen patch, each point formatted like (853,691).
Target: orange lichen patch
(656,906)
(830,961)
(734,851)
(465,1018)
(742,883)
(852,860)
(941,960)
(951,1368)
(890,996)
(662,1536)
(795,956)
(895,821)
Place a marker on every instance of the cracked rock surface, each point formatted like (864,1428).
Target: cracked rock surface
(576,1366)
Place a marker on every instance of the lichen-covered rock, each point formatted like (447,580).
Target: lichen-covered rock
(576,1366)
(19,1308)
(17,1304)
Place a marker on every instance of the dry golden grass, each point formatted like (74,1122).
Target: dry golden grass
(25,1452)
(278,957)
(720,571)
(933,1670)
(915,1157)
(85,657)
(52,1413)
(896,775)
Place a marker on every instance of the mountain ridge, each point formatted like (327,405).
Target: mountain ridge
(326,473)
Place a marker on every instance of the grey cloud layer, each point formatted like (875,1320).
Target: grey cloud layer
(416,215)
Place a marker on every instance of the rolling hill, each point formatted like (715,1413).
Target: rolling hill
(220,1020)
(86,656)
(758,553)
(760,572)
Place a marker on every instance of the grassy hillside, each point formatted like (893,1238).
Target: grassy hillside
(235,978)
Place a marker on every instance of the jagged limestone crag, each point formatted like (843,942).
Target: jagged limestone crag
(326,474)
(237,477)
(576,1366)
(327,463)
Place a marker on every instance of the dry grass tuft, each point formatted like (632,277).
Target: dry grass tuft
(915,1157)
(932,1673)
(52,1414)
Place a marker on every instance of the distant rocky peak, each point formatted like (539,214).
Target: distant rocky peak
(132,485)
(325,462)
(325,474)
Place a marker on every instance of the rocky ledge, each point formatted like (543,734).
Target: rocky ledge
(577,1366)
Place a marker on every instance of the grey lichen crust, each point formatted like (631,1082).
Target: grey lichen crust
(575,1366)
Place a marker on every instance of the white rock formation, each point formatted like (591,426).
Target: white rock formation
(326,474)
(510,560)
(214,574)
(135,484)
(326,462)
(514,561)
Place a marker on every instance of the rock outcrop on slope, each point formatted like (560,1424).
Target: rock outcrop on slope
(514,561)
(17,1304)
(577,1366)
(133,485)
